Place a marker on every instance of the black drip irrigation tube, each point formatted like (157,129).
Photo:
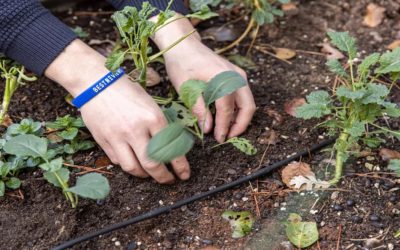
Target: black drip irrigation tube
(178,204)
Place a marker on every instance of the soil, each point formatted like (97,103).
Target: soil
(44,219)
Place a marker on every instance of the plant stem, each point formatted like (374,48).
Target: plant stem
(340,157)
(386,129)
(237,41)
(64,187)
(6,97)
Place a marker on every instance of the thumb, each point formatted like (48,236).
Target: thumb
(203,115)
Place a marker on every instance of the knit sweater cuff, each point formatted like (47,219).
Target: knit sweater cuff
(41,42)
(177,5)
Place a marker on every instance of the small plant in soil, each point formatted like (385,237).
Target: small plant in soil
(28,145)
(14,76)
(359,104)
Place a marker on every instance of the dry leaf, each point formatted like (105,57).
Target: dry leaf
(269,137)
(153,78)
(394,45)
(295,169)
(221,34)
(291,106)
(288,6)
(53,137)
(7,121)
(102,161)
(332,53)
(308,183)
(388,154)
(283,53)
(374,16)
(277,118)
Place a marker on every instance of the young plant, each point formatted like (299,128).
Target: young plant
(14,76)
(260,12)
(357,105)
(177,139)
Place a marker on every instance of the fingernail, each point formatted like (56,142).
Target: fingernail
(222,137)
(185,176)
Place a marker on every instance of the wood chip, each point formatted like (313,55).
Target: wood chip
(374,16)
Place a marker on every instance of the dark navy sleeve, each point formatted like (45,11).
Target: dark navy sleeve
(177,5)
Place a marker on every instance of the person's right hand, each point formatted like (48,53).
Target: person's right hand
(122,118)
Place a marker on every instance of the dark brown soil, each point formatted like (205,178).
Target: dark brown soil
(44,219)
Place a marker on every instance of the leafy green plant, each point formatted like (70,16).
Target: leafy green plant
(26,145)
(14,76)
(242,144)
(177,139)
(241,222)
(359,103)
(397,234)
(260,12)
(394,165)
(301,234)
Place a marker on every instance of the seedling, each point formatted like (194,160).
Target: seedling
(356,106)
(241,222)
(177,139)
(25,145)
(301,234)
(260,12)
(14,75)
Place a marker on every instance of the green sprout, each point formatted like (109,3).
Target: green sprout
(357,105)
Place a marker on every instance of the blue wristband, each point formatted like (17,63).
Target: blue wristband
(97,88)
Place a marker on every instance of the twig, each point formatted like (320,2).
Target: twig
(253,40)
(318,247)
(255,200)
(96,170)
(237,41)
(370,175)
(339,235)
(310,52)
(87,169)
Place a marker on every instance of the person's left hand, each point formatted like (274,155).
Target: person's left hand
(191,59)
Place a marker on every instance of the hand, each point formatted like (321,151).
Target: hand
(191,59)
(122,119)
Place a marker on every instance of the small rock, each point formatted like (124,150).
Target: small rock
(117,243)
(374,217)
(369,166)
(334,195)
(207,242)
(393,198)
(231,171)
(390,246)
(245,199)
(338,207)
(322,223)
(356,219)
(100,202)
(350,203)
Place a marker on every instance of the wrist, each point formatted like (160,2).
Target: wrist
(173,31)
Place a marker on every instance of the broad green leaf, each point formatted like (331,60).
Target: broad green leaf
(301,234)
(308,111)
(241,222)
(69,133)
(348,93)
(80,32)
(62,174)
(243,145)
(197,5)
(182,115)
(395,166)
(26,145)
(357,129)
(115,60)
(85,145)
(262,17)
(203,14)
(221,85)
(170,143)
(375,93)
(2,188)
(319,97)
(53,165)
(391,109)
(390,62)
(13,183)
(93,186)
(373,142)
(344,42)
(242,61)
(336,67)
(368,62)
(190,92)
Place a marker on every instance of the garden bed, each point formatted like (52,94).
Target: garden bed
(44,219)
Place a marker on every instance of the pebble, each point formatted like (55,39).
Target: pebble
(117,243)
(335,195)
(350,203)
(161,202)
(100,202)
(390,246)
(367,183)
(238,196)
(207,242)
(231,171)
(245,199)
(338,207)
(356,219)
(393,198)
(322,223)
(374,217)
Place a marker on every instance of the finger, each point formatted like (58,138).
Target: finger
(110,152)
(155,169)
(128,160)
(246,107)
(181,168)
(223,118)
(199,110)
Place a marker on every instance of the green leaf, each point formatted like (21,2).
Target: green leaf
(197,5)
(397,234)
(373,142)
(2,188)
(53,165)
(170,143)
(63,174)
(313,110)
(395,166)
(344,42)
(241,222)
(13,183)
(115,60)
(80,32)
(376,93)
(190,92)
(336,67)
(319,97)
(93,186)
(389,62)
(242,61)
(357,129)
(26,145)
(203,14)
(4,169)
(368,62)
(301,234)
(243,145)
(262,17)
(69,133)
(85,145)
(391,109)
(221,85)
(348,93)
(179,113)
